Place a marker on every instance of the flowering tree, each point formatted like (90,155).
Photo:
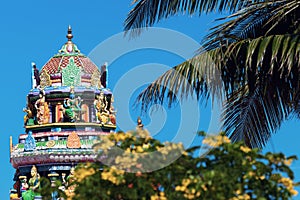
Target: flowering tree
(136,166)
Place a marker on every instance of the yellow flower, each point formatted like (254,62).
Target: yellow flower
(245,149)
(146,146)
(238,192)
(113,175)
(288,183)
(82,173)
(204,187)
(178,188)
(294,192)
(139,149)
(184,153)
(262,177)
(288,162)
(128,150)
(154,197)
(216,141)
(105,144)
(161,196)
(241,197)
(251,173)
(189,196)
(185,182)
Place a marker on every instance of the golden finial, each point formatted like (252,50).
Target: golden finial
(69,35)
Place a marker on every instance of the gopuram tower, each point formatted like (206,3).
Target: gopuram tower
(68,107)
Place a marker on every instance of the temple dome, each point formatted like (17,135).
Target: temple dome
(70,68)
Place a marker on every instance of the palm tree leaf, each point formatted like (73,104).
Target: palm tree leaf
(282,12)
(199,75)
(257,20)
(276,46)
(269,52)
(147,12)
(252,117)
(234,67)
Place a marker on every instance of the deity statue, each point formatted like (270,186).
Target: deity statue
(36,76)
(69,114)
(70,181)
(100,105)
(24,184)
(34,185)
(72,107)
(17,182)
(28,118)
(42,109)
(30,144)
(63,182)
(112,112)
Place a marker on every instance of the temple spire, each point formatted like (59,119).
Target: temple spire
(69,35)
(69,47)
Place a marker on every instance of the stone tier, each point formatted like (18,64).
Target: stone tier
(52,156)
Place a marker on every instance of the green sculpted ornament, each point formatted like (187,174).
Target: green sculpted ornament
(71,74)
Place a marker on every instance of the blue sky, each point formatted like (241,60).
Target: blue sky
(35,30)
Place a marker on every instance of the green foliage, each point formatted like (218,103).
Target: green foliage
(228,171)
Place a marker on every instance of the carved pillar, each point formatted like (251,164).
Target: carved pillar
(86,113)
(92,113)
(58,112)
(50,113)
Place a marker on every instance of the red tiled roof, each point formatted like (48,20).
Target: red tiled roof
(54,63)
(89,66)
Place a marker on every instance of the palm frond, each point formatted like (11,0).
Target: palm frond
(199,76)
(257,20)
(257,60)
(253,117)
(147,12)
(246,62)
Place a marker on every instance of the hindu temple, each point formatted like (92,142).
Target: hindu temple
(67,108)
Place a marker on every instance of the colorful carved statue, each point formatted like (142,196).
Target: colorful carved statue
(30,144)
(97,106)
(70,180)
(72,107)
(34,185)
(112,112)
(28,118)
(36,76)
(42,109)
(17,183)
(100,105)
(69,114)
(24,184)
